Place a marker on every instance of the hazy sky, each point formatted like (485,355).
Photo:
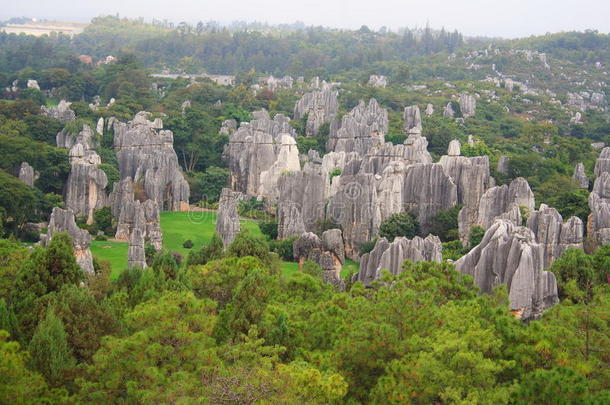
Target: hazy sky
(508,18)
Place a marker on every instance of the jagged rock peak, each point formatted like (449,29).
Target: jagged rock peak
(454,148)
(61,113)
(85,189)
(429,109)
(500,199)
(227,222)
(27,174)
(602,164)
(448,111)
(391,256)
(361,129)
(509,254)
(86,137)
(320,106)
(63,221)
(580,176)
(554,235)
(327,252)
(146,154)
(412,117)
(598,225)
(468,105)
(502,166)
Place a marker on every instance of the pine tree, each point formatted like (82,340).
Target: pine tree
(50,354)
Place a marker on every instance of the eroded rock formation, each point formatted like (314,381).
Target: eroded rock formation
(378,81)
(227,221)
(580,176)
(412,117)
(363,128)
(319,106)
(61,113)
(146,154)
(509,254)
(598,225)
(27,174)
(391,256)
(86,185)
(468,105)
(85,137)
(327,252)
(63,221)
(602,164)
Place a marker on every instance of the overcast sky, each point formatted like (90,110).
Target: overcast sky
(509,18)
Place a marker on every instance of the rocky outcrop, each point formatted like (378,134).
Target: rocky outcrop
(598,225)
(327,252)
(319,106)
(472,179)
(27,174)
(391,256)
(553,235)
(363,128)
(427,190)
(259,152)
(509,254)
(468,105)
(602,164)
(448,111)
(227,221)
(66,139)
(429,109)
(99,128)
(136,253)
(85,189)
(503,163)
(61,113)
(413,150)
(63,221)
(145,153)
(412,118)
(500,200)
(378,81)
(580,176)
(132,214)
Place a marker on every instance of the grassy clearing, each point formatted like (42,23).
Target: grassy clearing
(114,252)
(178,227)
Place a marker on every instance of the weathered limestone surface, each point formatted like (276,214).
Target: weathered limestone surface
(580,176)
(598,225)
(146,154)
(502,167)
(553,235)
(378,81)
(448,111)
(227,221)
(429,109)
(61,113)
(412,117)
(413,150)
(63,221)
(258,152)
(391,256)
(132,213)
(326,251)
(320,107)
(136,256)
(85,137)
(468,105)
(363,128)
(85,189)
(27,174)
(509,254)
(500,199)
(602,164)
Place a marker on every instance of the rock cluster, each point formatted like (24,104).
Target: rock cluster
(602,164)
(319,106)
(327,252)
(27,174)
(598,225)
(378,81)
(412,118)
(580,176)
(145,153)
(361,129)
(61,113)
(448,111)
(66,139)
(227,221)
(505,200)
(468,105)
(553,234)
(63,221)
(85,189)
(259,152)
(391,256)
(509,254)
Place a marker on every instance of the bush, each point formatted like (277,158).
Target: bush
(188,244)
(476,235)
(269,229)
(445,224)
(283,248)
(103,219)
(367,247)
(335,172)
(101,238)
(312,268)
(401,224)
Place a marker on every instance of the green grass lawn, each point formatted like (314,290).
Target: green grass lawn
(114,252)
(178,227)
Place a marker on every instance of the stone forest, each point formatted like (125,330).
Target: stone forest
(395,217)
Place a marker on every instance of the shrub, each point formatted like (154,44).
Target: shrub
(269,228)
(312,268)
(101,238)
(367,247)
(188,244)
(401,224)
(283,248)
